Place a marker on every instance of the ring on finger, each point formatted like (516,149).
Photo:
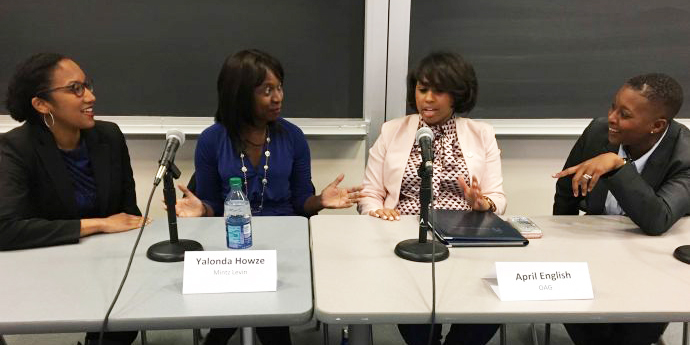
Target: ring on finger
(587,177)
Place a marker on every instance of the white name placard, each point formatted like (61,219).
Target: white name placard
(538,281)
(230,271)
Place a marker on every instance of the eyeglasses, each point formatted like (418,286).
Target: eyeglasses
(76,88)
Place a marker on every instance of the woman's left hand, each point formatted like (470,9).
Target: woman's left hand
(335,197)
(473,194)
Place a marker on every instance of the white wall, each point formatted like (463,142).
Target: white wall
(528,163)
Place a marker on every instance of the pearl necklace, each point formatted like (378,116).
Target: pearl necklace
(264,181)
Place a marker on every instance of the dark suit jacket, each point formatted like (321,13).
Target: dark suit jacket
(37,203)
(654,199)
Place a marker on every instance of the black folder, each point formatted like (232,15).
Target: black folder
(474,229)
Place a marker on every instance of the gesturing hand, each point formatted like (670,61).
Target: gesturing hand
(473,194)
(335,197)
(587,174)
(190,205)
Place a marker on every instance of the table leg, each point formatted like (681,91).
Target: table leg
(2,341)
(247,336)
(196,336)
(360,335)
(547,334)
(324,330)
(503,334)
(143,338)
(535,338)
(685,333)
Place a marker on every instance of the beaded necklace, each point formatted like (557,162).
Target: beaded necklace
(264,181)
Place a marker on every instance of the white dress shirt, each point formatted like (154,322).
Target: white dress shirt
(611,206)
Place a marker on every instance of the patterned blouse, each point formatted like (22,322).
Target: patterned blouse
(449,163)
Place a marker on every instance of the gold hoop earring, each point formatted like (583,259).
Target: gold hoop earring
(52,118)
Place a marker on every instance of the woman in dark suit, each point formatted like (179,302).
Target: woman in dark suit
(634,162)
(63,175)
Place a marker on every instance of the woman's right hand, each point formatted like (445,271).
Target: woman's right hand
(386,214)
(587,174)
(190,205)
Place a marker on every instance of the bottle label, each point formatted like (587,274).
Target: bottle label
(238,236)
(234,233)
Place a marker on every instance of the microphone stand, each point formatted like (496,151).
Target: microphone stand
(419,249)
(682,253)
(172,250)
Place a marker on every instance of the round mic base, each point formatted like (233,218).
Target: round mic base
(414,250)
(166,251)
(682,253)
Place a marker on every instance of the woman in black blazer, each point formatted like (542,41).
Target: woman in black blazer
(634,162)
(63,175)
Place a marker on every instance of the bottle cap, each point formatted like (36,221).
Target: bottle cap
(235,182)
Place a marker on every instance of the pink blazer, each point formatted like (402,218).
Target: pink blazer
(388,157)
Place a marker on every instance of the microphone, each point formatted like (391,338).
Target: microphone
(175,139)
(425,138)
(418,249)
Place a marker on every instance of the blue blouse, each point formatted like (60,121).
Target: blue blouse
(79,166)
(289,171)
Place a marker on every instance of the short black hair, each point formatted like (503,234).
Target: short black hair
(659,87)
(31,76)
(240,75)
(445,72)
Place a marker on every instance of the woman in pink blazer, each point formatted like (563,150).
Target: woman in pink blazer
(466,169)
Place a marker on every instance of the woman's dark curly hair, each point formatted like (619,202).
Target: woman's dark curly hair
(31,76)
(445,72)
(659,87)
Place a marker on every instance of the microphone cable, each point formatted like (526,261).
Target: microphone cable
(129,264)
(433,270)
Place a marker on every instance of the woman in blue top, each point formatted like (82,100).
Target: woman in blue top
(270,154)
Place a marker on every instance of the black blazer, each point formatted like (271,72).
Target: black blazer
(37,203)
(654,199)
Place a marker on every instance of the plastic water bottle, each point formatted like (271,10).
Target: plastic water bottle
(238,217)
